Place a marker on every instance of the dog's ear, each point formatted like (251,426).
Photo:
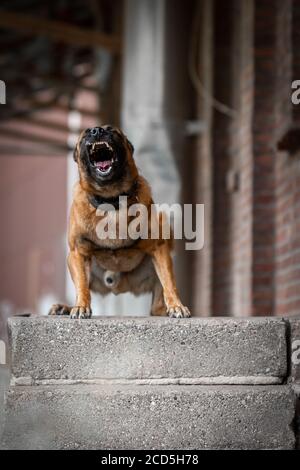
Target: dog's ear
(131,147)
(76,152)
(124,137)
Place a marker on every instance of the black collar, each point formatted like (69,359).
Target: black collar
(96,200)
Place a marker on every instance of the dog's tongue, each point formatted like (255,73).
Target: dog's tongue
(104,166)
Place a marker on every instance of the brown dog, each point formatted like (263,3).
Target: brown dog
(113,263)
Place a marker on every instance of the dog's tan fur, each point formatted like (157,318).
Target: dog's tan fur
(140,266)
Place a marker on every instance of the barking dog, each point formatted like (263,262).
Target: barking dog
(114,264)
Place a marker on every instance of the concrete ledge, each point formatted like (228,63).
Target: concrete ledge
(150,417)
(226,350)
(4,384)
(295,349)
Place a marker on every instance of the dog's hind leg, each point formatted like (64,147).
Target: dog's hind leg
(59,310)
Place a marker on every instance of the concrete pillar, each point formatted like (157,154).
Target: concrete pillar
(156,99)
(202,272)
(144,114)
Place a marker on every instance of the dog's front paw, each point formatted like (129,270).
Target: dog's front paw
(81,312)
(179,311)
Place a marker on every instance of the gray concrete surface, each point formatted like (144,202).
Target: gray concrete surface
(4,383)
(150,417)
(222,349)
(294,353)
(297,417)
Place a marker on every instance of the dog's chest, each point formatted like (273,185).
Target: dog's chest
(106,237)
(123,260)
(113,229)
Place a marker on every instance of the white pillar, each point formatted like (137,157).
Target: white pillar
(144,115)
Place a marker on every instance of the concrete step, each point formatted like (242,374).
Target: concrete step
(150,383)
(186,351)
(149,417)
(4,384)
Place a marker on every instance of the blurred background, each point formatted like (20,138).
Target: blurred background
(203,89)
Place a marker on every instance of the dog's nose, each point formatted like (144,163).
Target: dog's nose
(96,131)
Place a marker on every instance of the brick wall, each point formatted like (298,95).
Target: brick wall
(256,248)
(223,39)
(276,244)
(265,139)
(287,247)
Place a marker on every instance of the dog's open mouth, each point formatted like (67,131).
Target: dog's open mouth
(102,157)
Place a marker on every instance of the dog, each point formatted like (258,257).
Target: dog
(107,172)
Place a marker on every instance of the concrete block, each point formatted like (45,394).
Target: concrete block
(220,350)
(295,349)
(4,384)
(297,417)
(149,417)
